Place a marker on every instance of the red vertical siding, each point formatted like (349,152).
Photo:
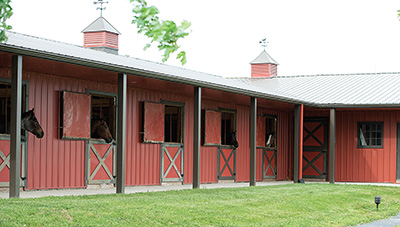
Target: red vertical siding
(54,163)
(362,164)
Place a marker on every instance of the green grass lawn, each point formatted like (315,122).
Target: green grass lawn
(284,205)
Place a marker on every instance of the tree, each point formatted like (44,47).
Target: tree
(5,13)
(165,33)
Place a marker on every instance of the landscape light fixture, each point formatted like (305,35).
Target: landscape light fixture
(377,201)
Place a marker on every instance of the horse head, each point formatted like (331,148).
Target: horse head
(31,124)
(232,139)
(100,130)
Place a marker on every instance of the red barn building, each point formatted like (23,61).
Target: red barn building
(176,125)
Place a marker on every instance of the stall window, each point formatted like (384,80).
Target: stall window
(228,127)
(173,124)
(5,106)
(271,130)
(266,131)
(167,114)
(370,134)
(104,107)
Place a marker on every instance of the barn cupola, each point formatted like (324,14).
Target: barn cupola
(264,65)
(101,35)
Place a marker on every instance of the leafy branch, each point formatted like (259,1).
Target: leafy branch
(5,13)
(165,33)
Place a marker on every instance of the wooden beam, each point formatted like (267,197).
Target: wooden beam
(253,132)
(121,132)
(332,145)
(15,140)
(196,137)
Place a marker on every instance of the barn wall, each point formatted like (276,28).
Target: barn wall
(143,159)
(365,165)
(54,163)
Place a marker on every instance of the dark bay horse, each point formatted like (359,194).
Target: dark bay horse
(232,139)
(99,129)
(31,124)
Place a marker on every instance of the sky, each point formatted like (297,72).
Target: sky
(305,37)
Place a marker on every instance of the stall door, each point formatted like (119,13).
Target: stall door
(315,148)
(5,162)
(100,158)
(172,157)
(226,162)
(269,163)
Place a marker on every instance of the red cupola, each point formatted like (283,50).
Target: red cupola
(101,35)
(264,66)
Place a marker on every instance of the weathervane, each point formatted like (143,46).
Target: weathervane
(101,8)
(264,43)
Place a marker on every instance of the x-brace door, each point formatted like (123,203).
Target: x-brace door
(5,162)
(226,163)
(100,167)
(269,163)
(315,148)
(172,155)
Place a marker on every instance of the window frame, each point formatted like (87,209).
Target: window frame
(274,118)
(107,95)
(360,124)
(233,124)
(181,118)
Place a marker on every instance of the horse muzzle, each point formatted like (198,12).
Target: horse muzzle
(40,134)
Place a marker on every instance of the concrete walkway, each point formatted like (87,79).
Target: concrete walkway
(393,221)
(129,190)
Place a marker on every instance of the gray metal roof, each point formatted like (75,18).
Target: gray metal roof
(99,25)
(53,50)
(264,58)
(340,90)
(362,90)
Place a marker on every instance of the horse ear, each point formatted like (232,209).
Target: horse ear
(32,109)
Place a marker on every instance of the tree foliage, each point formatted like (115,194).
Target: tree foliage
(165,33)
(5,13)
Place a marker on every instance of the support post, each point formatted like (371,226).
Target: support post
(253,132)
(15,140)
(296,143)
(301,144)
(196,137)
(332,145)
(121,133)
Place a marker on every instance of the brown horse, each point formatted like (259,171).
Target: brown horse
(232,139)
(31,124)
(99,129)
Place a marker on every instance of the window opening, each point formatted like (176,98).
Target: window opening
(227,127)
(5,107)
(370,134)
(104,108)
(271,131)
(173,124)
